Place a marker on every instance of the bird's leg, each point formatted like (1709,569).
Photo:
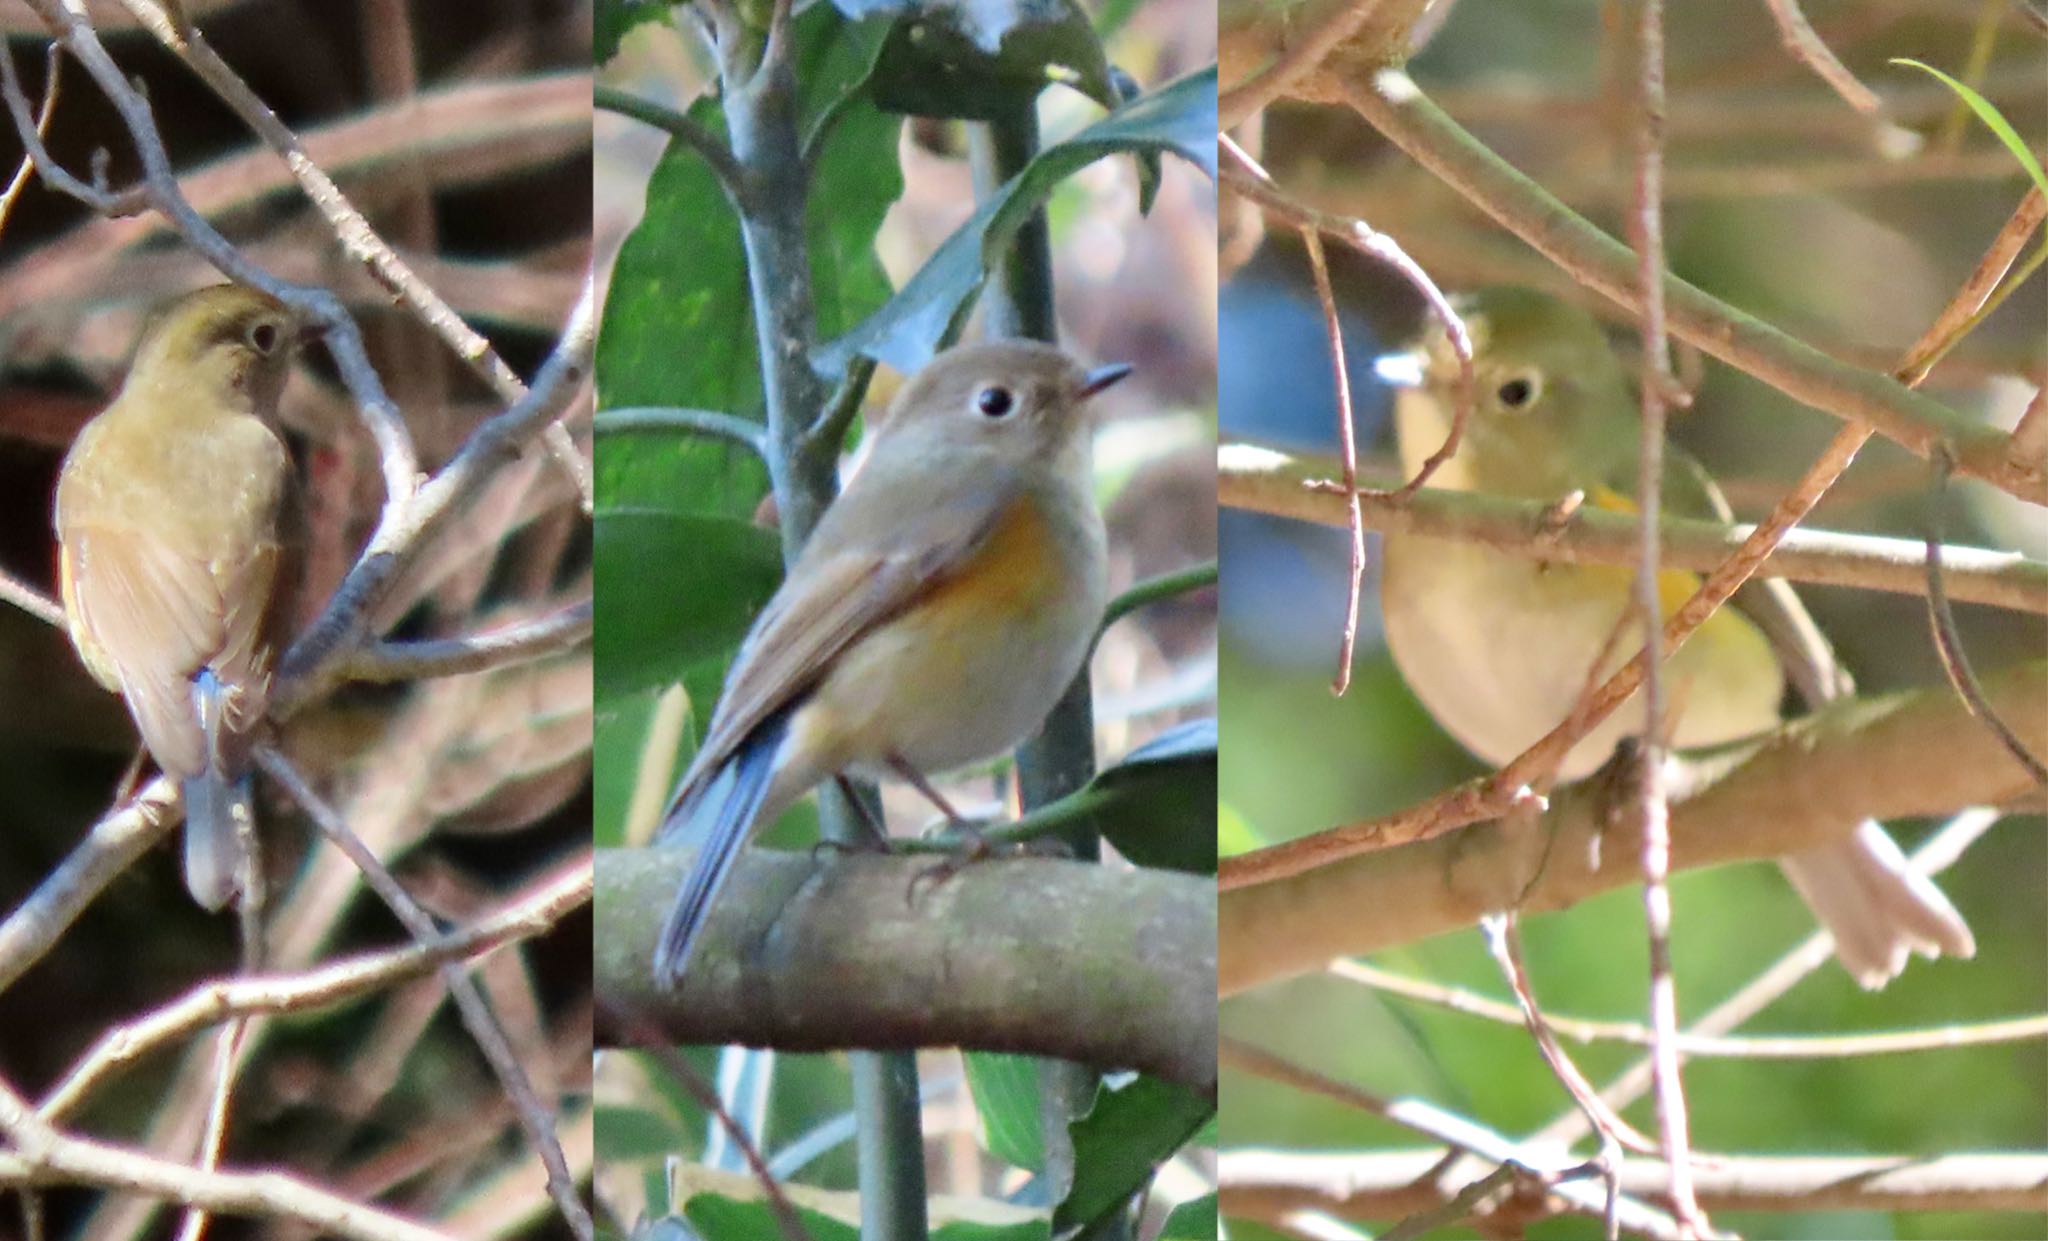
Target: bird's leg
(877,838)
(131,778)
(974,846)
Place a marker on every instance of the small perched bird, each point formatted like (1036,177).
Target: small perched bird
(1498,647)
(944,602)
(176,524)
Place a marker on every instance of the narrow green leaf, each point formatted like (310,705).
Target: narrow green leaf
(1992,118)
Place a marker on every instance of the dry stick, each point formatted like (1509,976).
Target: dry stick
(1696,1046)
(1646,226)
(1935,855)
(39,1154)
(564,630)
(114,843)
(534,1116)
(1960,314)
(337,982)
(1263,481)
(1808,47)
(1503,935)
(1395,106)
(1251,181)
(1347,438)
(1491,796)
(647,1036)
(1453,1131)
(1948,642)
(53,62)
(357,238)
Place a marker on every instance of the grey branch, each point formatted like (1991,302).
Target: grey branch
(833,952)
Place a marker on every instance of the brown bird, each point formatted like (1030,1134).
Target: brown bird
(176,527)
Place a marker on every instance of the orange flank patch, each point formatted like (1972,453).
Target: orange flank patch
(1010,574)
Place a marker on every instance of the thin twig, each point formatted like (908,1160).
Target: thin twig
(1948,642)
(563,630)
(1254,183)
(1439,1126)
(1694,1045)
(1808,47)
(828,432)
(1646,229)
(1931,858)
(665,420)
(53,63)
(1956,318)
(534,1116)
(732,176)
(42,1155)
(525,917)
(1347,439)
(1155,589)
(1263,481)
(114,844)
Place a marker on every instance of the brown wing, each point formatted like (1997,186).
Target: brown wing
(880,547)
(147,620)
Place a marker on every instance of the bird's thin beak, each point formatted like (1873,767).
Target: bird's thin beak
(1102,377)
(1400,370)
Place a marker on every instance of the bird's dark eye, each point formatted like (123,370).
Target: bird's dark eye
(995,402)
(1517,392)
(264,337)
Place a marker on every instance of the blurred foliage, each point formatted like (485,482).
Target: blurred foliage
(1847,231)
(677,517)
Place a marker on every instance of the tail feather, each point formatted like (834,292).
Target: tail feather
(744,778)
(214,805)
(1876,906)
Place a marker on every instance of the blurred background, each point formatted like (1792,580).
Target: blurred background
(464,136)
(1848,232)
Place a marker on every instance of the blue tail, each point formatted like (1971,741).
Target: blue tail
(744,780)
(214,804)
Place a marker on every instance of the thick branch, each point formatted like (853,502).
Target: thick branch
(1808,784)
(1264,481)
(1109,967)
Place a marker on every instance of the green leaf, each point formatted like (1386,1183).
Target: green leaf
(1992,118)
(716,1217)
(1006,1095)
(984,59)
(1193,1220)
(613,18)
(678,589)
(1156,806)
(678,325)
(1120,1143)
(1180,118)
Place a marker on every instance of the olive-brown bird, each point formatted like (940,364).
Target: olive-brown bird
(176,512)
(944,602)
